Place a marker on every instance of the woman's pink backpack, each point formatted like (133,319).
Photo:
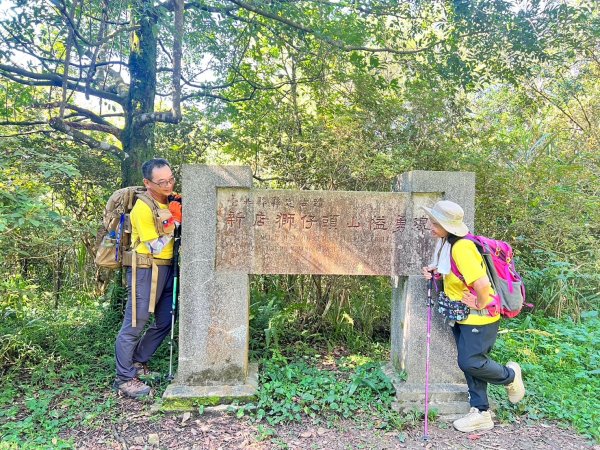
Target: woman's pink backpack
(507,283)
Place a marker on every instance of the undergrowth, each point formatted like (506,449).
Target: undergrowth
(291,390)
(55,371)
(57,366)
(560,359)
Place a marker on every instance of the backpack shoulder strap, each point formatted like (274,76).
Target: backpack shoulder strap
(492,308)
(453,266)
(153,205)
(147,200)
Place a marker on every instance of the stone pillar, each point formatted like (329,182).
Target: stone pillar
(448,391)
(213,306)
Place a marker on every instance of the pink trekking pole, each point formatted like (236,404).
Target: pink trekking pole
(426,427)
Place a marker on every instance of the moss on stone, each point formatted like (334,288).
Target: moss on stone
(191,403)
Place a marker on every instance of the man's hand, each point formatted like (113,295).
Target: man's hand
(174,198)
(175,208)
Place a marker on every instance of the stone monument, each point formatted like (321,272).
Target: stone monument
(232,230)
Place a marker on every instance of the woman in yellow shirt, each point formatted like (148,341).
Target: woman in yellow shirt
(476,335)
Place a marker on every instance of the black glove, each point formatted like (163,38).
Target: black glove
(174,198)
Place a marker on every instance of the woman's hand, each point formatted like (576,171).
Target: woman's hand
(470,300)
(481,286)
(428,271)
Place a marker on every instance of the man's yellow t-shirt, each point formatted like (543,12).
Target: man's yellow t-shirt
(472,267)
(143,228)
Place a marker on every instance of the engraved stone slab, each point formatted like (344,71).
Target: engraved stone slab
(320,232)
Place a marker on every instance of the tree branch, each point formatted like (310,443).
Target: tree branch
(177,56)
(67,61)
(165,116)
(542,94)
(85,112)
(91,127)
(92,71)
(286,180)
(63,10)
(102,124)
(24,123)
(169,6)
(63,127)
(220,97)
(333,42)
(51,79)
(23,133)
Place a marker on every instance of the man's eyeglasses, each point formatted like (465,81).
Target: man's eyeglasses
(164,184)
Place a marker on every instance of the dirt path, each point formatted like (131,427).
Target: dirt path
(137,428)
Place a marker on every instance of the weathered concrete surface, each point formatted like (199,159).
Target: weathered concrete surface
(320,232)
(409,310)
(184,397)
(214,306)
(213,356)
(458,187)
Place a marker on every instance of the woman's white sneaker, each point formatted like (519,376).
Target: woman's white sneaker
(516,389)
(474,421)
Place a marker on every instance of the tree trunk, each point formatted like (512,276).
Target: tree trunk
(138,141)
(58,277)
(25,268)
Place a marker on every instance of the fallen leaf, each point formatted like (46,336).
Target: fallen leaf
(186,417)
(306,434)
(474,437)
(153,439)
(321,431)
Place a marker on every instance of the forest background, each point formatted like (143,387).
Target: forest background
(314,94)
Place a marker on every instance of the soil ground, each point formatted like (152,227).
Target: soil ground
(138,428)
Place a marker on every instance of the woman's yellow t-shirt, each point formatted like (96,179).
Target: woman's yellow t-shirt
(472,267)
(143,228)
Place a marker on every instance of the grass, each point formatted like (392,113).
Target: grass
(57,369)
(57,366)
(291,390)
(560,359)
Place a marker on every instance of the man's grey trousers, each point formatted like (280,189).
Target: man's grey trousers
(129,348)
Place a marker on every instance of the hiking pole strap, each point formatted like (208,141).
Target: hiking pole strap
(133,293)
(153,287)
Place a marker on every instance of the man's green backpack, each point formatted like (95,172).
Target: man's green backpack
(114,237)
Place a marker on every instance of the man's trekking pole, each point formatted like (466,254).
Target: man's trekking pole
(176,244)
(426,426)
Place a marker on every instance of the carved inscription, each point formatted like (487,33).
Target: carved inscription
(319,232)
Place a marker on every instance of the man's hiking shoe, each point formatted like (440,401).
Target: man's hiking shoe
(132,388)
(474,421)
(516,389)
(142,371)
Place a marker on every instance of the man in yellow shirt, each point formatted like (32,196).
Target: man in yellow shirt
(476,335)
(132,351)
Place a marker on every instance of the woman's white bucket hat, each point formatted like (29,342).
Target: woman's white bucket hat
(449,215)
